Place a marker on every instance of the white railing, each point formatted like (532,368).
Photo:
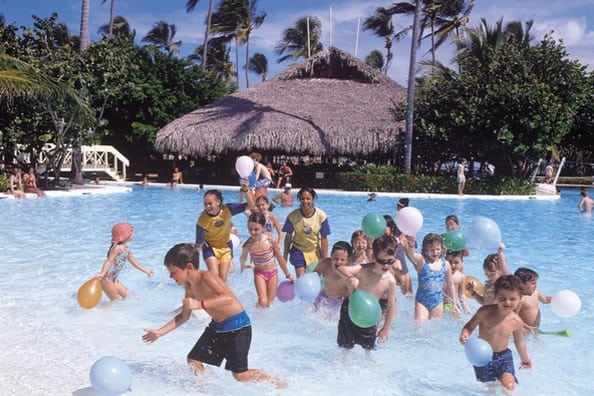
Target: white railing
(97,158)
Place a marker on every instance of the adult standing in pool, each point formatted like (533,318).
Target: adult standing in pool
(307,230)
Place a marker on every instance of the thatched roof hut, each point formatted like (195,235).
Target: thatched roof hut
(329,104)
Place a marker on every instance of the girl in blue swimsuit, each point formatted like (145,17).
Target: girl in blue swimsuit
(433,274)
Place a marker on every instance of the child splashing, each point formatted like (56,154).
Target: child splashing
(264,254)
(434,272)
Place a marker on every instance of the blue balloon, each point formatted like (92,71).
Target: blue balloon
(478,352)
(110,376)
(308,286)
(484,233)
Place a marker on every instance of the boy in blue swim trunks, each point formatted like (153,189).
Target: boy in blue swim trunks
(229,334)
(496,323)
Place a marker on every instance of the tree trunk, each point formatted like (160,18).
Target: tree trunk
(410,97)
(205,49)
(84,25)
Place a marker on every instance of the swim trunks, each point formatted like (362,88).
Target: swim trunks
(300,259)
(430,289)
(228,340)
(350,334)
(502,362)
(223,255)
(328,306)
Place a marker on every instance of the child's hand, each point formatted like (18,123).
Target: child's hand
(464,337)
(526,364)
(150,273)
(290,277)
(150,336)
(383,335)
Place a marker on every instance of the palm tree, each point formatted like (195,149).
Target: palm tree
(375,59)
(84,25)
(295,42)
(253,20)
(258,64)
(162,35)
(190,5)
(381,25)
(121,29)
(111,8)
(218,61)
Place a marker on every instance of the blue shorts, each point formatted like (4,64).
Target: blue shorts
(502,362)
(223,255)
(263,183)
(299,259)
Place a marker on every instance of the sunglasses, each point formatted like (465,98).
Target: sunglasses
(389,261)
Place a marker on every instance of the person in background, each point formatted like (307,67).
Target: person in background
(285,174)
(586,202)
(30,181)
(117,255)
(360,244)
(456,260)
(263,176)
(176,178)
(460,176)
(15,184)
(452,224)
(307,230)
(497,323)
(549,173)
(494,266)
(285,197)
(229,334)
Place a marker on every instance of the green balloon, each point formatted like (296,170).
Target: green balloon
(364,309)
(373,225)
(454,240)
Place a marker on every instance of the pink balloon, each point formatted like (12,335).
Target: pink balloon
(285,291)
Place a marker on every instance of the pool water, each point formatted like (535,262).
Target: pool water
(51,246)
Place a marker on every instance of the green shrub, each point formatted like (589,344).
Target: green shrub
(3,182)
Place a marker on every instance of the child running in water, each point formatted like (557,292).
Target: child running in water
(456,260)
(117,255)
(337,283)
(494,265)
(272,223)
(496,323)
(264,254)
(434,273)
(229,334)
(529,309)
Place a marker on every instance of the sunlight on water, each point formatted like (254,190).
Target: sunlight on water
(52,246)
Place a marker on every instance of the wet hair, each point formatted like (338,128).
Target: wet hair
(217,193)
(385,243)
(430,239)
(309,190)
(402,203)
(259,218)
(182,254)
(491,263)
(526,274)
(356,234)
(391,224)
(343,245)
(454,218)
(450,254)
(263,198)
(584,192)
(508,282)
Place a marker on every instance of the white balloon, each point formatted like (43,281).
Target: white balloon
(484,233)
(565,304)
(244,165)
(409,220)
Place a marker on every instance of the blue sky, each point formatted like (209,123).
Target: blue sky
(572,21)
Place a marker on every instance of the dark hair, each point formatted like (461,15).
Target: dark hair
(309,190)
(491,262)
(429,239)
(259,218)
(217,193)
(450,254)
(508,282)
(526,274)
(342,245)
(402,203)
(182,254)
(391,224)
(385,243)
(452,217)
(356,235)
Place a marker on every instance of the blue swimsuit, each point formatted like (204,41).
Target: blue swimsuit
(430,290)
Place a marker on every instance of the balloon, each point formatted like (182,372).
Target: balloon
(485,233)
(566,304)
(89,294)
(235,241)
(110,376)
(478,352)
(364,309)
(409,220)
(308,286)
(454,240)
(285,291)
(244,165)
(478,286)
(373,225)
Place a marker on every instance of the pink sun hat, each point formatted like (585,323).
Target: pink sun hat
(120,232)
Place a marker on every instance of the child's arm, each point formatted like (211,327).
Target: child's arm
(245,249)
(462,298)
(521,347)
(384,333)
(281,260)
(502,260)
(113,252)
(324,246)
(151,335)
(544,299)
(450,290)
(135,263)
(415,258)
(276,225)
(471,325)
(251,201)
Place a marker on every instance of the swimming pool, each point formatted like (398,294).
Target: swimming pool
(51,246)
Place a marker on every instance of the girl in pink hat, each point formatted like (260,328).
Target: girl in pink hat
(117,255)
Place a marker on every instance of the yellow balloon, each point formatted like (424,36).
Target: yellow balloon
(89,294)
(476,285)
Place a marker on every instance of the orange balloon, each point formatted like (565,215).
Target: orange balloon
(476,285)
(89,294)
